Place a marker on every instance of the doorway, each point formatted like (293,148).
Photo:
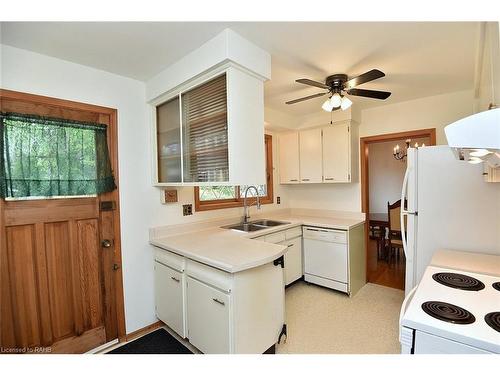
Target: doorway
(381,181)
(60,258)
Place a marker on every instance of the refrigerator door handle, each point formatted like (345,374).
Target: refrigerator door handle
(404,212)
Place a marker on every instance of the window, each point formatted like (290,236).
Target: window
(49,157)
(217,197)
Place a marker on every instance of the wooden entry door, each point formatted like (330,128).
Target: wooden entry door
(61,287)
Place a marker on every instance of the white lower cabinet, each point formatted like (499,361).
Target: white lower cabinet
(208,317)
(170,291)
(292,238)
(220,312)
(293,260)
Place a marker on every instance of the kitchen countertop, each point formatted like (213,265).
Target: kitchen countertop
(467,261)
(234,251)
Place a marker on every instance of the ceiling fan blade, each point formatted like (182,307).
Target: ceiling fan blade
(363,78)
(310,82)
(306,98)
(369,93)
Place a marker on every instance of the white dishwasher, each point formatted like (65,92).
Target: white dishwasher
(326,258)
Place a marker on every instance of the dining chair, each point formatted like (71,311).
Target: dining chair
(395,243)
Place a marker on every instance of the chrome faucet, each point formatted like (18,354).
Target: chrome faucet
(246,216)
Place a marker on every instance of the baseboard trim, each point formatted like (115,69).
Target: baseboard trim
(144,330)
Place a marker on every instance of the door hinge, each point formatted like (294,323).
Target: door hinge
(280,261)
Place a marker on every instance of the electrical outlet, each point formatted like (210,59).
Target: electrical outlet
(187,209)
(278,200)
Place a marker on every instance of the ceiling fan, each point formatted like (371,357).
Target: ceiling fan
(338,85)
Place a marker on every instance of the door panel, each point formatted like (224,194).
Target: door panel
(58,255)
(55,283)
(25,308)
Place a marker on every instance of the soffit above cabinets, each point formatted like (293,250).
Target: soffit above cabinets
(226,47)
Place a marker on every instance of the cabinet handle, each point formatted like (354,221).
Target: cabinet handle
(329,179)
(219,302)
(290,245)
(305,179)
(294,180)
(175,279)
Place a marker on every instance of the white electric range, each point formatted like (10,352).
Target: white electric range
(452,311)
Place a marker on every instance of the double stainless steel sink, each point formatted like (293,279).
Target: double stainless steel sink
(255,225)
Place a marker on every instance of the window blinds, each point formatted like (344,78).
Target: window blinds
(205,143)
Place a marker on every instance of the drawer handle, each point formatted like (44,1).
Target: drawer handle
(290,245)
(305,179)
(175,279)
(294,179)
(329,179)
(219,302)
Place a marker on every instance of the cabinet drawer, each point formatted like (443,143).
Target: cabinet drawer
(293,232)
(208,318)
(170,259)
(169,297)
(276,237)
(217,278)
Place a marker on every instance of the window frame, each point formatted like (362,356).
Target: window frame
(217,204)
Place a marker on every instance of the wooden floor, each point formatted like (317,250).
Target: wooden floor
(383,273)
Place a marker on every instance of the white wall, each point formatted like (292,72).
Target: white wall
(429,112)
(386,173)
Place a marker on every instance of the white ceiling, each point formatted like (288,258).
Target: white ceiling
(419,59)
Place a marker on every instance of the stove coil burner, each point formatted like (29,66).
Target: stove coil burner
(496,285)
(448,312)
(493,320)
(458,281)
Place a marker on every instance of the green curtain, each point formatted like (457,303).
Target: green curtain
(47,157)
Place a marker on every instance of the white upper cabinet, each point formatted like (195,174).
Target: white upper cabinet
(336,153)
(211,132)
(320,155)
(207,115)
(289,158)
(310,156)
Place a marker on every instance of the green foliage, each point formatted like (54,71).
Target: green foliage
(45,157)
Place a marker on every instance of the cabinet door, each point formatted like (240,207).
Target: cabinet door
(289,158)
(169,297)
(310,156)
(168,141)
(208,318)
(336,149)
(293,260)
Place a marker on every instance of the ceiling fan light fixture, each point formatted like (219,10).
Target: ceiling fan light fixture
(336,100)
(346,103)
(327,106)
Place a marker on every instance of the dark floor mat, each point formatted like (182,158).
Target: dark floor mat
(157,342)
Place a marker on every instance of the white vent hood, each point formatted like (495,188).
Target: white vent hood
(476,138)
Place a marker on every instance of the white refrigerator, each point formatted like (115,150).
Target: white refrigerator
(449,206)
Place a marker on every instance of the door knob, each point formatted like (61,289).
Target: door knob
(116,267)
(106,243)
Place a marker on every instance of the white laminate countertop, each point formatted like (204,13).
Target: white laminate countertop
(234,251)
(467,261)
